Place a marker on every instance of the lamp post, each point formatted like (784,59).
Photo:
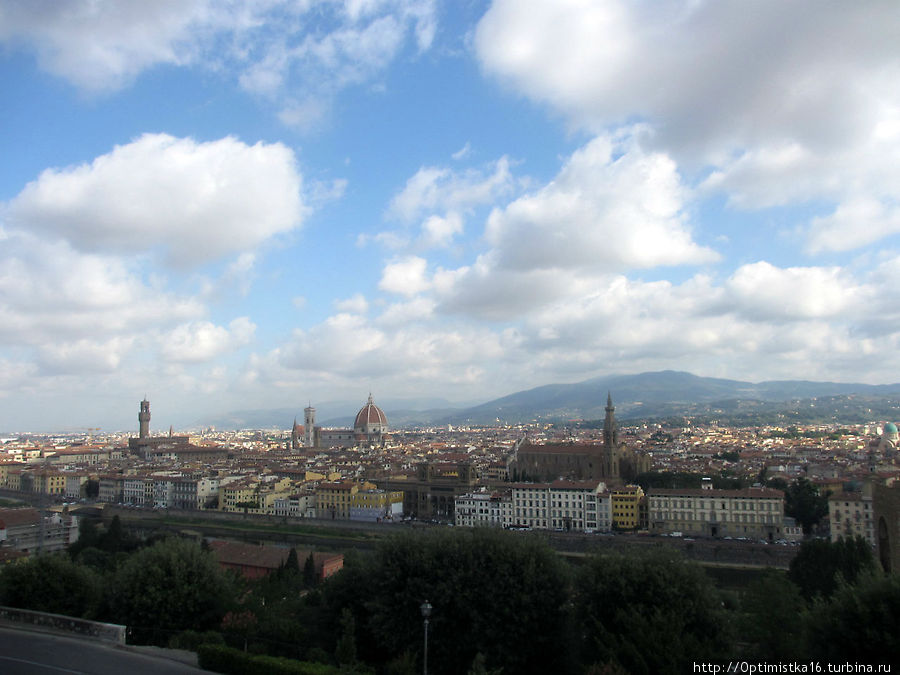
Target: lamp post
(426,612)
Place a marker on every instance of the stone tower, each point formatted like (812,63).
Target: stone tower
(144,419)
(610,441)
(309,418)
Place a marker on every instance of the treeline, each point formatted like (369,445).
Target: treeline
(502,603)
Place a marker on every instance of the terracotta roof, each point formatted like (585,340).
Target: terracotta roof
(699,492)
(18,517)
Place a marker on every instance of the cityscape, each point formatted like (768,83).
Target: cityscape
(428,336)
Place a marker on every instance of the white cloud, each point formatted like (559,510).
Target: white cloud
(764,292)
(436,188)
(195,201)
(406,276)
(271,48)
(786,103)
(438,231)
(202,341)
(101,46)
(611,208)
(356,304)
(602,210)
(50,293)
(709,77)
(84,357)
(854,223)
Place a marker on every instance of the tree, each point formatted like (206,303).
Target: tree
(804,503)
(345,653)
(309,571)
(494,592)
(168,587)
(51,583)
(651,612)
(860,623)
(770,608)
(820,564)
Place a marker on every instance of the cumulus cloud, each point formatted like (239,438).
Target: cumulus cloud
(406,276)
(51,293)
(195,201)
(201,341)
(785,103)
(710,76)
(612,212)
(271,48)
(101,46)
(611,208)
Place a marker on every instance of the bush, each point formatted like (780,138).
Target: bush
(192,640)
(220,659)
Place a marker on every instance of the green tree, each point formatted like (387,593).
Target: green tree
(820,564)
(771,606)
(804,503)
(309,572)
(168,587)
(651,612)
(860,623)
(498,593)
(51,583)
(345,653)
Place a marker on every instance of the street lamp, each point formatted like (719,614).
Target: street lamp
(426,612)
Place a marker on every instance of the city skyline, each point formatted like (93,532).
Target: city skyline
(226,206)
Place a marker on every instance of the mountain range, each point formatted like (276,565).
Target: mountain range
(651,395)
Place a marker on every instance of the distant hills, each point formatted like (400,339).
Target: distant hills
(654,395)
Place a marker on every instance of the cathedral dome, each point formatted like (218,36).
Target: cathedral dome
(890,428)
(370,419)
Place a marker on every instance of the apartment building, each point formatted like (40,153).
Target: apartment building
(754,513)
(851,514)
(579,506)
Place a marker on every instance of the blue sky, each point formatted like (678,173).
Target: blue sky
(239,205)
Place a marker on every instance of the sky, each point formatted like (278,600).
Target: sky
(226,205)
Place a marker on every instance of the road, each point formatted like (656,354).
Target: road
(24,652)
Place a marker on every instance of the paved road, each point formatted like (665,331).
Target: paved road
(25,652)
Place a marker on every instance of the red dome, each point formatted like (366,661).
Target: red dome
(369,416)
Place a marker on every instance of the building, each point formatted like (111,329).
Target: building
(886,507)
(376,505)
(610,460)
(254,561)
(370,429)
(430,494)
(25,530)
(579,506)
(753,513)
(851,515)
(626,505)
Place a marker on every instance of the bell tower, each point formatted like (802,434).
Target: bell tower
(309,418)
(144,419)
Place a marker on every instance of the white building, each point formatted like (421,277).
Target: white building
(580,506)
(756,513)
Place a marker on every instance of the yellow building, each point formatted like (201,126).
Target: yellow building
(375,505)
(333,500)
(626,507)
(49,483)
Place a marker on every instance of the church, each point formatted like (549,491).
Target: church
(370,430)
(610,461)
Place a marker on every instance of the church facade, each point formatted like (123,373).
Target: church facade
(610,461)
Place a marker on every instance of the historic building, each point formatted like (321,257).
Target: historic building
(611,460)
(580,506)
(370,429)
(754,513)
